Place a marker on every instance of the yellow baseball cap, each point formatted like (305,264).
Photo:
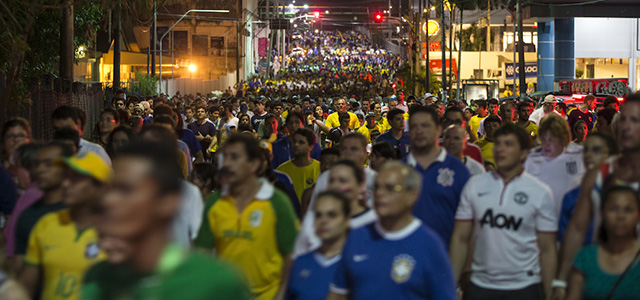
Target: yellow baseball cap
(90,165)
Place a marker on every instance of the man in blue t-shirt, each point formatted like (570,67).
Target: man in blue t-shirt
(583,113)
(396,136)
(443,176)
(258,114)
(396,257)
(205,131)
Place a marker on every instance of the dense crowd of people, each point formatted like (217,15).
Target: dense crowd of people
(353,196)
(330,64)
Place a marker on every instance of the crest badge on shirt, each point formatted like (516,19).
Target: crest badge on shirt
(92,251)
(572,167)
(445,177)
(402,267)
(521,198)
(305,273)
(255,219)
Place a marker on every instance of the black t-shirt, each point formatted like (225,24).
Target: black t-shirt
(28,220)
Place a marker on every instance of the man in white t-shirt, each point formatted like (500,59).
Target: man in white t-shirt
(548,106)
(510,217)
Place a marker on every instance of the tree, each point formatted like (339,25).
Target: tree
(31,35)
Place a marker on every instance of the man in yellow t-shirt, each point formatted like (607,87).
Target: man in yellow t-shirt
(334,121)
(481,113)
(491,124)
(302,169)
(250,224)
(64,244)
(370,127)
(524,111)
(381,122)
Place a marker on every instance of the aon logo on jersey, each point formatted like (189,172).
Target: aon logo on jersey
(500,221)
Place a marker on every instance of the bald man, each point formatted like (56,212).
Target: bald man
(454,140)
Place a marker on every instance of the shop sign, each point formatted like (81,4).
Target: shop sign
(530,70)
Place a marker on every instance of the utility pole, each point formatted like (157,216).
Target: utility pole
(443,43)
(488,25)
(523,75)
(514,52)
(116,48)
(154,37)
(269,39)
(67,52)
(427,68)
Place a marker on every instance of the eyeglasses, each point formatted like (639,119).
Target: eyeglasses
(390,188)
(15,136)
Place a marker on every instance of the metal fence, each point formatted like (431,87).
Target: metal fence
(46,97)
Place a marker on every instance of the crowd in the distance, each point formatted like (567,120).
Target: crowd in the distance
(329,184)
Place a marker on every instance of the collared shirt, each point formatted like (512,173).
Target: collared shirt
(311,275)
(410,263)
(403,143)
(178,274)
(63,253)
(442,184)
(256,239)
(506,219)
(562,173)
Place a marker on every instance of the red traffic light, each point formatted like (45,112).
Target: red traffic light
(378,17)
(316,14)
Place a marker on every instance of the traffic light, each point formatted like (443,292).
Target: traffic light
(316,14)
(377,18)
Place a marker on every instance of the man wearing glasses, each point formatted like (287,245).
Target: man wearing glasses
(395,257)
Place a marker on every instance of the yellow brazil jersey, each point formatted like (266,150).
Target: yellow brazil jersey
(383,125)
(532,128)
(254,240)
(474,123)
(302,177)
(366,131)
(486,147)
(334,121)
(63,253)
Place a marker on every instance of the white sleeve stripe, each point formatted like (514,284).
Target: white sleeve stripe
(336,290)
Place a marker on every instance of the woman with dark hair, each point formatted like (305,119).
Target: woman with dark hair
(109,120)
(120,137)
(333,211)
(243,118)
(15,132)
(347,178)
(610,270)
(204,177)
(381,152)
(580,131)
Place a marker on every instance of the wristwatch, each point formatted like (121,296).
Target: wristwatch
(557,283)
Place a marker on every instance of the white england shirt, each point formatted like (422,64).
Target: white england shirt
(561,174)
(506,219)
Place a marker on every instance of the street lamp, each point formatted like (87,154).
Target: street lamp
(306,6)
(176,23)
